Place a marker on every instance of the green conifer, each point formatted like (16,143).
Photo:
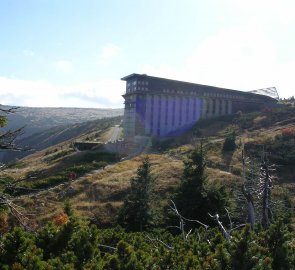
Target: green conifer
(136,213)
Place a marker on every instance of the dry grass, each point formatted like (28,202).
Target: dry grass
(99,194)
(111,185)
(219,176)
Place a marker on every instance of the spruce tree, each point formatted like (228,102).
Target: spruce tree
(229,144)
(136,213)
(194,198)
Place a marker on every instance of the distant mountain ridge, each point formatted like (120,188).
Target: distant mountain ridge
(39,119)
(58,134)
(44,127)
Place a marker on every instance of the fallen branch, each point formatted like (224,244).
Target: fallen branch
(109,247)
(159,241)
(224,231)
(182,223)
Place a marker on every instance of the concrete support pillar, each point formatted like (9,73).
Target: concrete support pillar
(155,115)
(148,115)
(230,106)
(204,108)
(163,115)
(210,103)
(223,112)
(217,105)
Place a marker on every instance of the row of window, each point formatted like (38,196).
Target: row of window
(131,88)
(136,88)
(205,94)
(137,83)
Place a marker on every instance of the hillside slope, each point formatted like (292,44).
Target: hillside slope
(58,134)
(98,191)
(39,119)
(40,123)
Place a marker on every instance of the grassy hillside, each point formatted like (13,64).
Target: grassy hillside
(98,192)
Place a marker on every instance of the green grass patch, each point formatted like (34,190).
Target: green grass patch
(57,155)
(16,165)
(88,162)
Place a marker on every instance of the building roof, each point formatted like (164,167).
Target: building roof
(270,92)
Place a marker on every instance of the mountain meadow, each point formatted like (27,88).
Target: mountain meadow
(220,196)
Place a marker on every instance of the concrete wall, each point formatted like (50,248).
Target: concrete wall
(162,115)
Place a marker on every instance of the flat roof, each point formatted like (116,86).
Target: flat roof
(136,75)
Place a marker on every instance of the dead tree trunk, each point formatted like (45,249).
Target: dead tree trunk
(266,184)
(250,208)
(248,196)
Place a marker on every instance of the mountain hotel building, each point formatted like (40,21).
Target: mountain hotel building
(160,107)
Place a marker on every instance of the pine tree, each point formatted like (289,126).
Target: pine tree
(194,198)
(229,144)
(136,213)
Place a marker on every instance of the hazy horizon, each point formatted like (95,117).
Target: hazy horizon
(57,107)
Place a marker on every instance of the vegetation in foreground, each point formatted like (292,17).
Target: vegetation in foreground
(71,243)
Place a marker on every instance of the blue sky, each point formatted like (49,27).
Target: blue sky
(73,53)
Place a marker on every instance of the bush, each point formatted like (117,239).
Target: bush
(79,245)
(229,144)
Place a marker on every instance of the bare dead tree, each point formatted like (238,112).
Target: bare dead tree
(8,142)
(8,138)
(265,187)
(256,189)
(16,211)
(247,192)
(182,222)
(250,207)
(9,195)
(226,233)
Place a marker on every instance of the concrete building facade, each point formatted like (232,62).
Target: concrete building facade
(160,107)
